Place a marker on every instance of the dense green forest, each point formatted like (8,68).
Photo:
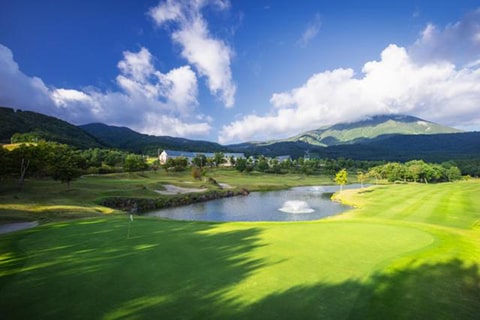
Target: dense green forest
(126,139)
(28,126)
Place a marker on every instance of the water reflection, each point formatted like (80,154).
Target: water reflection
(300,204)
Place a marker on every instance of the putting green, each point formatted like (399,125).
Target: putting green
(382,260)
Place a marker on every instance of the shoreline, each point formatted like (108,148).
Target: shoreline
(142,205)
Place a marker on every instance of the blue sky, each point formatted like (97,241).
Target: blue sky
(232,71)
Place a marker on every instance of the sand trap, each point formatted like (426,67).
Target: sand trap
(225,186)
(11,227)
(171,190)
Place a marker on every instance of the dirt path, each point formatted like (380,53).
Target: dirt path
(11,227)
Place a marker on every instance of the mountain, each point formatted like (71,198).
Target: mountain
(126,139)
(45,127)
(433,148)
(387,137)
(391,138)
(376,126)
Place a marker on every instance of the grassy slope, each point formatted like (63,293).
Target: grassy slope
(408,251)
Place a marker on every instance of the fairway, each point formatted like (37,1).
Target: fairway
(407,251)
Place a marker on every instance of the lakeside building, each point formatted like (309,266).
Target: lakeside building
(167,154)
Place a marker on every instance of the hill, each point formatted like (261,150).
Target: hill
(41,126)
(383,137)
(347,133)
(126,139)
(364,130)
(391,138)
(433,148)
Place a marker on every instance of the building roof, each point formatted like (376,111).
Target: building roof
(283,158)
(187,154)
(173,153)
(234,154)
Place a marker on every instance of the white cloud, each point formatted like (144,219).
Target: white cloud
(458,42)
(210,56)
(148,101)
(437,91)
(159,124)
(311,31)
(18,89)
(180,87)
(437,78)
(137,66)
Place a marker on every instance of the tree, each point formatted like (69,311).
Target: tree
(241,164)
(375,173)
(453,173)
(262,164)
(219,158)
(415,169)
(361,177)
(63,165)
(200,160)
(4,161)
(180,163)
(155,165)
(341,178)
(169,164)
(134,162)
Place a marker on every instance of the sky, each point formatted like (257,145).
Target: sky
(241,70)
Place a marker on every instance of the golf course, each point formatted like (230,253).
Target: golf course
(404,251)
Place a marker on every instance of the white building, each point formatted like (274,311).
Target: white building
(166,154)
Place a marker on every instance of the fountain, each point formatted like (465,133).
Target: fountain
(317,189)
(296,206)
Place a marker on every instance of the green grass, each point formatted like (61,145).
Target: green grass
(47,200)
(407,252)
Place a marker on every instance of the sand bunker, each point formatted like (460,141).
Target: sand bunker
(11,227)
(171,190)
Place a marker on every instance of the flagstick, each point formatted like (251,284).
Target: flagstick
(129,224)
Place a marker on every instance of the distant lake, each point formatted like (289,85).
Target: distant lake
(296,204)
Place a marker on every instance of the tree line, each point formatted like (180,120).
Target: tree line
(64,163)
(416,171)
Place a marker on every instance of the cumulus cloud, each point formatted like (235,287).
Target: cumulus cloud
(437,91)
(148,100)
(211,57)
(458,42)
(311,31)
(17,88)
(437,78)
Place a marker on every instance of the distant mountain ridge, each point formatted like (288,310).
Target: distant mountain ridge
(355,132)
(43,127)
(373,127)
(390,138)
(126,139)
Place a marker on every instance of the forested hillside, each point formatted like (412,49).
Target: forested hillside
(126,139)
(25,126)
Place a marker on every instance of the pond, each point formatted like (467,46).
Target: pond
(296,204)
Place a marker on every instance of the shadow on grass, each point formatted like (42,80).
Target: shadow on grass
(89,269)
(448,290)
(180,270)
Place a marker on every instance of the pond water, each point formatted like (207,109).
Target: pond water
(296,204)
